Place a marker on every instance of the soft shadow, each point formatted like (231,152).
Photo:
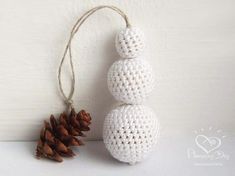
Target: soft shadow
(97,151)
(30,147)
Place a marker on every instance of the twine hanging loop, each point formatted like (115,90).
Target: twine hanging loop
(68,98)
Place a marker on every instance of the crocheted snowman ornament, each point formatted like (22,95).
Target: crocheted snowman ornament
(130,130)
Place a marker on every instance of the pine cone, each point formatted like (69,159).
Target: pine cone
(57,136)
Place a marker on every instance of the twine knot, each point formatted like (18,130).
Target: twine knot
(69,103)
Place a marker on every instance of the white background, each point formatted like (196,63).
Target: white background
(190,44)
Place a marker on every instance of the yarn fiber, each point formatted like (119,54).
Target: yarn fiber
(130,132)
(130,80)
(130,43)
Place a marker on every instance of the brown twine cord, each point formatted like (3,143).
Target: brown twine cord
(68,99)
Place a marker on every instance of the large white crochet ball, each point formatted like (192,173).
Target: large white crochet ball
(130,42)
(130,80)
(130,132)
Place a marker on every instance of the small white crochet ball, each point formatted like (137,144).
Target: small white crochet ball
(130,132)
(130,80)
(130,42)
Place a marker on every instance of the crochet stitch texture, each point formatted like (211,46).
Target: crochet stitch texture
(130,80)
(130,132)
(130,43)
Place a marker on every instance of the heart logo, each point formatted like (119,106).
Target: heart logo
(207,144)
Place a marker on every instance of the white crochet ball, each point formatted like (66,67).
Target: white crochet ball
(130,132)
(130,80)
(130,43)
